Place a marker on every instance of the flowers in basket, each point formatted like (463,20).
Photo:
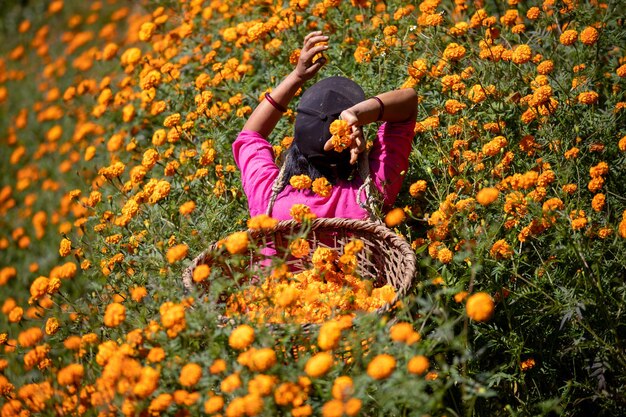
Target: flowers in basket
(313,295)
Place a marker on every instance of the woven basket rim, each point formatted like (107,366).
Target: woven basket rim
(392,240)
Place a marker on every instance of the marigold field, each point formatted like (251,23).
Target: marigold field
(116,122)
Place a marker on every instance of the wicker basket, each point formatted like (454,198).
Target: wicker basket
(385,259)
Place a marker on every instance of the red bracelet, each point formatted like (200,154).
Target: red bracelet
(276,105)
(382,108)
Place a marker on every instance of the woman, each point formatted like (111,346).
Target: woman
(311,152)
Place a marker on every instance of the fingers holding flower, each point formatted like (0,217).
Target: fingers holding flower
(308,66)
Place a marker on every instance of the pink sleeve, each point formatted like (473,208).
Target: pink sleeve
(389,158)
(255,158)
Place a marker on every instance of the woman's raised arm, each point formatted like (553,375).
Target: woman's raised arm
(267,114)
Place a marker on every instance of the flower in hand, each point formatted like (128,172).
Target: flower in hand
(341,138)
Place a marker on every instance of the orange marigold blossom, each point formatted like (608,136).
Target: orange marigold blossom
(394,217)
(301,212)
(486,196)
(340,132)
(237,242)
(65,247)
(114,315)
(190,374)
(201,273)
(479,306)
(418,365)
(300,182)
(333,408)
(382,366)
(214,404)
(177,253)
(299,248)
(262,222)
(319,364)
(589,35)
(404,332)
(329,335)
(241,337)
(322,187)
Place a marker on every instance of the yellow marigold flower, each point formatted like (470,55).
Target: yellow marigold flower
(241,337)
(322,187)
(568,37)
(340,132)
(454,52)
(329,335)
(299,248)
(394,217)
(172,120)
(131,56)
(38,288)
(501,250)
(52,326)
(343,388)
(418,365)
(477,93)
(352,407)
(156,354)
(201,273)
(589,35)
(545,67)
(319,364)
(114,315)
(190,375)
(479,306)
(300,182)
(487,196)
(533,13)
(65,248)
(262,222)
(237,242)
(552,204)
(417,187)
(444,255)
(176,253)
(230,383)
(381,366)
(146,31)
(71,374)
(187,208)
(333,408)
(598,202)
(404,332)
(588,97)
(418,68)
(214,404)
(301,212)
(521,54)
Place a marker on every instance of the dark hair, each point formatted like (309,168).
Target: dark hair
(298,164)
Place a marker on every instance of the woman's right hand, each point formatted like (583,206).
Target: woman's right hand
(306,68)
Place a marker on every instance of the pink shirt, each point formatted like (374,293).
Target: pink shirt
(389,159)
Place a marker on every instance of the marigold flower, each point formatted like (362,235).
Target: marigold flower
(501,250)
(418,365)
(588,97)
(333,408)
(301,212)
(237,242)
(214,404)
(177,253)
(190,374)
(299,248)
(241,337)
(598,202)
(322,187)
(486,196)
(329,335)
(381,366)
(52,326)
(146,31)
(589,35)
(262,222)
(568,37)
(172,120)
(394,217)
(521,54)
(454,51)
(319,364)
(340,132)
(155,355)
(114,315)
(527,364)
(479,306)
(404,332)
(230,383)
(300,182)
(71,374)
(444,255)
(65,248)
(352,407)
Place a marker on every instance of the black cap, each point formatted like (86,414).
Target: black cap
(320,105)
